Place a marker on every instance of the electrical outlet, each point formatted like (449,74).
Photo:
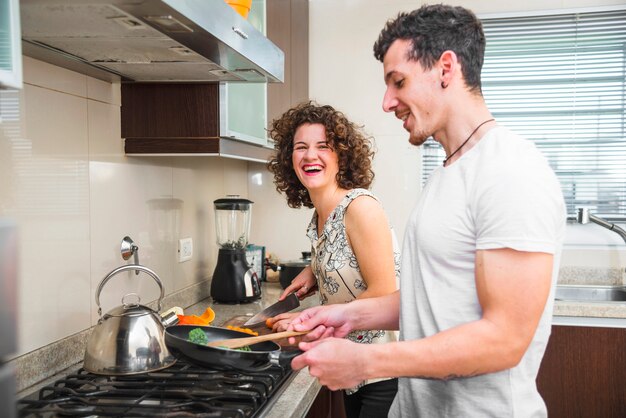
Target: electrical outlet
(185,249)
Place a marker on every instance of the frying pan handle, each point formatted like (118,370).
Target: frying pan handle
(283,358)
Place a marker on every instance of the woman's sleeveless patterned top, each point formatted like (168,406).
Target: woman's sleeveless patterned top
(337,271)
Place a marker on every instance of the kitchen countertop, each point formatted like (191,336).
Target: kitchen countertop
(598,314)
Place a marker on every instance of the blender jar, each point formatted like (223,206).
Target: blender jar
(232,222)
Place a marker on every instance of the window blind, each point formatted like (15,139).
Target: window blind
(560,81)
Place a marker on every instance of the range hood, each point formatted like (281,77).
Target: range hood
(149,40)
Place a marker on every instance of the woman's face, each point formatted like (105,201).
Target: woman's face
(316,164)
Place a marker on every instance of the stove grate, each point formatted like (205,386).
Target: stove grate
(180,390)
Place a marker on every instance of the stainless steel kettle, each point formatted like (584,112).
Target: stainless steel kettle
(129,339)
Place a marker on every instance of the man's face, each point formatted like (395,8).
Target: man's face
(411,92)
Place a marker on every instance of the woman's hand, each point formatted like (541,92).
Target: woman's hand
(303,285)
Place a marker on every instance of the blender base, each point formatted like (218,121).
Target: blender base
(233,280)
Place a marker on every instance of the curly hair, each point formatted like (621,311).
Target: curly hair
(434,29)
(353,148)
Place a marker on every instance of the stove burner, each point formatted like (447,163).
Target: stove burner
(181,390)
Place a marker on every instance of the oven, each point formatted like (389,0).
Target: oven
(180,390)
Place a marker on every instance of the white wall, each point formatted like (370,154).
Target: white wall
(343,72)
(65,179)
(280,228)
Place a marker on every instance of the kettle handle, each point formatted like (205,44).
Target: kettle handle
(124,268)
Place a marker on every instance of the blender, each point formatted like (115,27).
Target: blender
(233,279)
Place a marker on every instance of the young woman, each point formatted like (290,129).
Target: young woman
(323,161)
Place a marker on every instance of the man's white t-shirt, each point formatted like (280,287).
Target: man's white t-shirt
(499,194)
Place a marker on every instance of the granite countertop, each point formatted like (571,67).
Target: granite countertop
(614,310)
(590,314)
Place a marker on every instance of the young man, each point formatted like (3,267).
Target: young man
(481,250)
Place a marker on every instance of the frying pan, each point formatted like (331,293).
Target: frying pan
(263,355)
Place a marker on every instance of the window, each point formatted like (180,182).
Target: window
(560,80)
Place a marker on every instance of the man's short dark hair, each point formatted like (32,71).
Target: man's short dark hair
(434,29)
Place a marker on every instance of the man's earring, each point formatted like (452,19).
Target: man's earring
(443,85)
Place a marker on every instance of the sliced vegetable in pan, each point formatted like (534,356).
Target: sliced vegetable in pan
(240,329)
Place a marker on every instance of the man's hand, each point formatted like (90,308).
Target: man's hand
(282,321)
(337,363)
(323,321)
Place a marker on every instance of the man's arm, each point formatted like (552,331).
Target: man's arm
(512,288)
(337,320)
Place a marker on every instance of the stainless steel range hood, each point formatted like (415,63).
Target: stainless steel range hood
(149,40)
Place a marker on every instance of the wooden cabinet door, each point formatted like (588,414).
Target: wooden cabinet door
(170,110)
(327,404)
(583,373)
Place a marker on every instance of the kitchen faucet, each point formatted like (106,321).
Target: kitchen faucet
(584,217)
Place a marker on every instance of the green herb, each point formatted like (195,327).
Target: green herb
(198,336)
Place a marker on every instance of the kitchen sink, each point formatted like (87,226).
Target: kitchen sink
(590,293)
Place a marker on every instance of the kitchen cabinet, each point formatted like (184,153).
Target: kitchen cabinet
(10,45)
(288,28)
(221,119)
(327,404)
(582,372)
(178,119)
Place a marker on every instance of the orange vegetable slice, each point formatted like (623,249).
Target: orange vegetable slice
(240,329)
(208,315)
(203,320)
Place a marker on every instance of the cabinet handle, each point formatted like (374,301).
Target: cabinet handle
(240,32)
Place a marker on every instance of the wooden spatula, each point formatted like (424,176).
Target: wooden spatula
(242,342)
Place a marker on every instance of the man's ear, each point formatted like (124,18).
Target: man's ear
(448,67)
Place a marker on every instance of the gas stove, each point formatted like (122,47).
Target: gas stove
(181,390)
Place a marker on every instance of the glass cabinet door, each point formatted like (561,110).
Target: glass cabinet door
(244,105)
(10,45)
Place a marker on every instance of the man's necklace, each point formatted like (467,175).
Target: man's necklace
(445,160)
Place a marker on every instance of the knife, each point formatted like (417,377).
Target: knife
(285,305)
